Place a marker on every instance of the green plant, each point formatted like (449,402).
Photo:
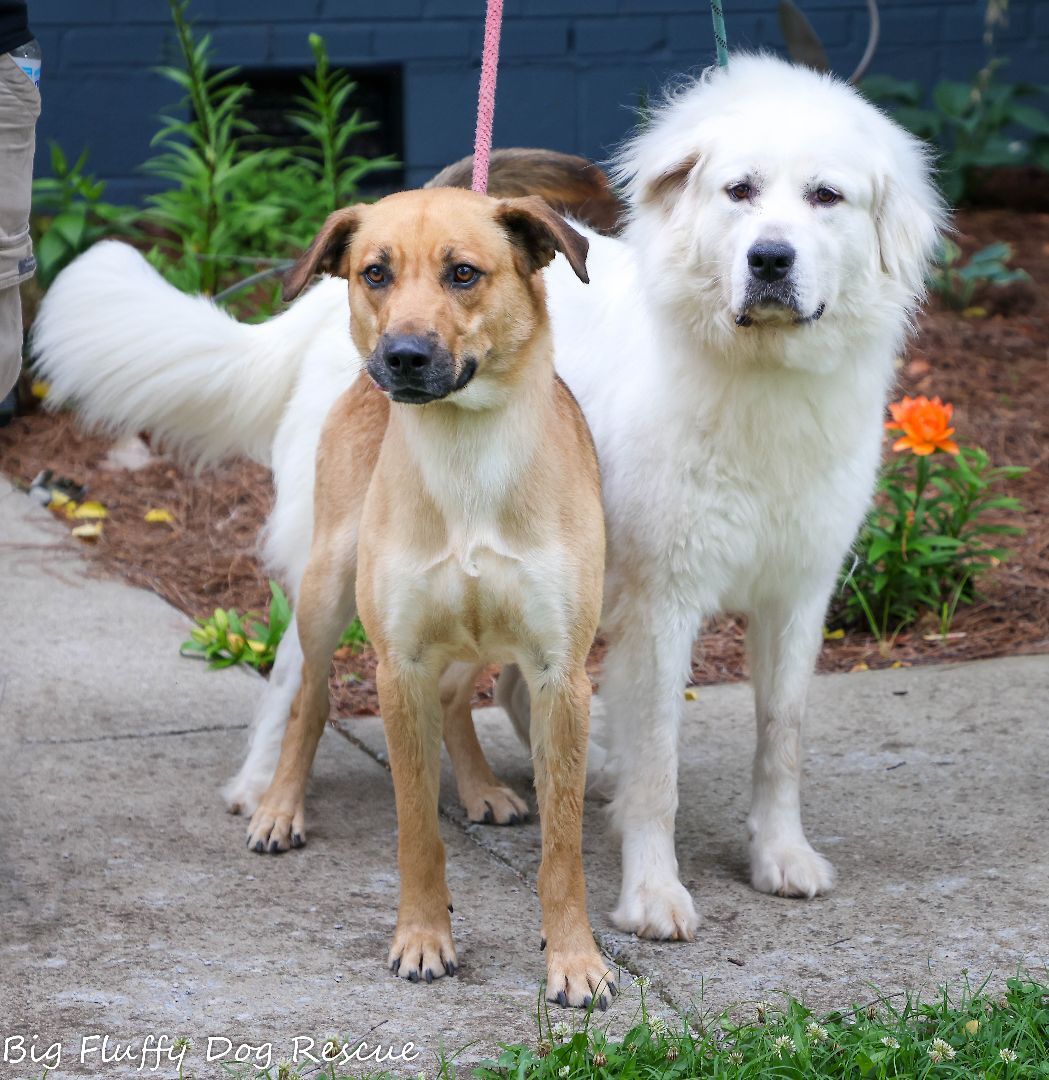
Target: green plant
(226,638)
(336,174)
(981,124)
(70,216)
(931,533)
(237,200)
(955,281)
(206,210)
(354,636)
(972,1034)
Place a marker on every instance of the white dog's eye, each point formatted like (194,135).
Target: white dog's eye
(826,196)
(739,192)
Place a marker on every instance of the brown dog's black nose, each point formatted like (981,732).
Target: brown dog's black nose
(407,356)
(770,260)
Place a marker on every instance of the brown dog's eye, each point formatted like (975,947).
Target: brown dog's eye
(464,274)
(375,275)
(826,196)
(739,192)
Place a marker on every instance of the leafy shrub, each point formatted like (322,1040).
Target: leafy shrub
(977,125)
(227,638)
(235,202)
(955,281)
(76,215)
(928,539)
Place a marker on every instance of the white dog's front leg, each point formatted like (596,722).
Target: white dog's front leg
(642,691)
(783,643)
(243,792)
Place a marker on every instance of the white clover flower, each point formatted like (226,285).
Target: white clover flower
(736,1057)
(643,982)
(561,1031)
(941,1051)
(658,1027)
(816,1031)
(563,1071)
(784,1042)
(890,1042)
(1006,1054)
(762,1008)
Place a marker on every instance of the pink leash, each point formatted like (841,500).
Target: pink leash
(486,95)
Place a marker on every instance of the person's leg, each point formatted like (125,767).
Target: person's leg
(19,108)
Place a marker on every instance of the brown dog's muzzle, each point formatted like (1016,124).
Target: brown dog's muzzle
(415,368)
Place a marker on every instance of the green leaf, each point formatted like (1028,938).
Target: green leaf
(955,99)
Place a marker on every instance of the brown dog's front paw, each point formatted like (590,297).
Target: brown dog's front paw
(496,805)
(422,953)
(276,827)
(578,979)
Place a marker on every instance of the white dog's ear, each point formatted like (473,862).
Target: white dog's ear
(669,184)
(909,216)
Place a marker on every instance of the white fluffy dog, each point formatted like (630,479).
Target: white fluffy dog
(732,356)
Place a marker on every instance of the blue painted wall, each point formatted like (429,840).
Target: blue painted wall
(571,69)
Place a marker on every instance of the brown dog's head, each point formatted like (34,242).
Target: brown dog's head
(444,287)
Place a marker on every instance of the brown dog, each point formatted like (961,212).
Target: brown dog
(458,492)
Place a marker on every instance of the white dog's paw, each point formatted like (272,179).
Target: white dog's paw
(790,869)
(663,912)
(242,793)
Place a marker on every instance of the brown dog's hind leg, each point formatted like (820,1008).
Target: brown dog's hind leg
(326,607)
(422,946)
(577,973)
(485,799)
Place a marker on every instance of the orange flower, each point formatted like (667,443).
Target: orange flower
(924,425)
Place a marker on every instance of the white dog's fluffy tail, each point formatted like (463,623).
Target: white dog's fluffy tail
(135,354)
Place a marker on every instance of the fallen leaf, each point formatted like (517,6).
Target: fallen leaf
(954,635)
(833,635)
(974,313)
(90,531)
(691,695)
(861,666)
(900,663)
(159,516)
(40,390)
(91,511)
(58,500)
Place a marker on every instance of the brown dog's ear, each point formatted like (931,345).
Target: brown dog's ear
(324,255)
(541,233)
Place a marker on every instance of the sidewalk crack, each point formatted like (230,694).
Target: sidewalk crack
(133,735)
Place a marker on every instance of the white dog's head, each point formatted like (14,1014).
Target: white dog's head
(772,201)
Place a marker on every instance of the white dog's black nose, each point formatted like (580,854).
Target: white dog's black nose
(770,260)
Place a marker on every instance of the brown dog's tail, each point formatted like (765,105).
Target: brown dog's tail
(572,185)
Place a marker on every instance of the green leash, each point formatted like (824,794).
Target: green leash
(719,33)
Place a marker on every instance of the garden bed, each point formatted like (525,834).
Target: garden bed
(994,368)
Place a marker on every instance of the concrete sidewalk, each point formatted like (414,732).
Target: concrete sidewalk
(131,907)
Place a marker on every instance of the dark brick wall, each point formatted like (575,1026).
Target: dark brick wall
(571,69)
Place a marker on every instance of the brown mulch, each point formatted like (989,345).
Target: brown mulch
(995,369)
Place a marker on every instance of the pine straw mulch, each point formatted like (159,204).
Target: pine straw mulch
(994,369)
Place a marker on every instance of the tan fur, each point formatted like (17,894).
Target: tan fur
(478,537)
(571,185)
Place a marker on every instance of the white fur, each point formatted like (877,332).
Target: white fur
(737,462)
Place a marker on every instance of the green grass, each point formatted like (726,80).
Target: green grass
(972,1033)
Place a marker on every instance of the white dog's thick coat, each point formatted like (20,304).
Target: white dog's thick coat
(737,461)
